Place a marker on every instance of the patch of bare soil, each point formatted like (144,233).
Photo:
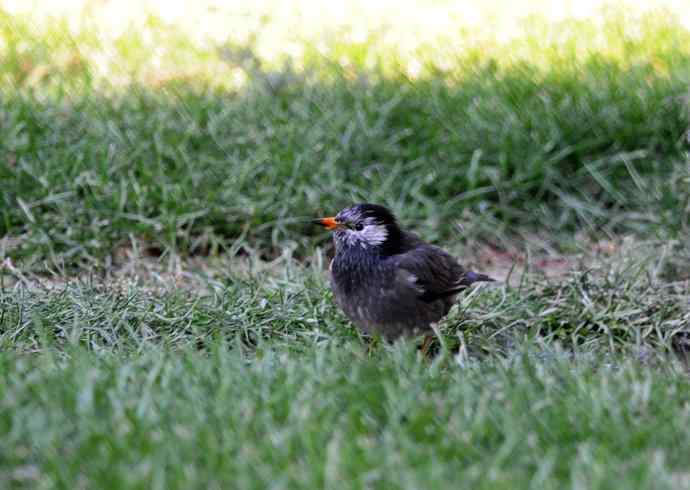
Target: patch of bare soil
(130,265)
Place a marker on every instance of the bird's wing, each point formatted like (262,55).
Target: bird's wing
(433,273)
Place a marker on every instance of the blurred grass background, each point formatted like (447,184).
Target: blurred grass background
(204,128)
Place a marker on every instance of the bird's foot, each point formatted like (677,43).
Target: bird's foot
(426,345)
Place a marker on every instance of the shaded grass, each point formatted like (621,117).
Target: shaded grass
(593,142)
(193,173)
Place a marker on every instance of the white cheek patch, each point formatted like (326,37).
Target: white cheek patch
(373,234)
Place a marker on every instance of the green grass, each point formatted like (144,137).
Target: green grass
(165,320)
(619,304)
(334,417)
(253,379)
(551,140)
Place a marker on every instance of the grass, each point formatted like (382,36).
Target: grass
(621,303)
(335,417)
(252,379)
(165,320)
(555,141)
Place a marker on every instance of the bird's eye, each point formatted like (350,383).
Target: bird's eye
(358,226)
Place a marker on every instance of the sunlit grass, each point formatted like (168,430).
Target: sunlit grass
(335,417)
(115,44)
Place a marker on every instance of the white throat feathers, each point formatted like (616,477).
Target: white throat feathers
(371,235)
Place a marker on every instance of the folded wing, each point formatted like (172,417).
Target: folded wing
(434,273)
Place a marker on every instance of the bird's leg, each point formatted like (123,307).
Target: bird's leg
(428,340)
(372,342)
(426,345)
(371,347)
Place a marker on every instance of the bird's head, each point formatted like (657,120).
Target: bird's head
(368,226)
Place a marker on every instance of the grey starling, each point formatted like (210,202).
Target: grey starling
(387,281)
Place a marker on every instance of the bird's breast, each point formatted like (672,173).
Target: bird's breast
(355,281)
(375,299)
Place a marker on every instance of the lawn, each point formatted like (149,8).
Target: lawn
(165,317)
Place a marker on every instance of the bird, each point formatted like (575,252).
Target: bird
(387,281)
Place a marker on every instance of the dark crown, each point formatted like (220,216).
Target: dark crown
(375,211)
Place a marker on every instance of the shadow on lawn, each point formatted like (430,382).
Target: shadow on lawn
(193,170)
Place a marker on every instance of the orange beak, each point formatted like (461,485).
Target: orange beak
(328,223)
